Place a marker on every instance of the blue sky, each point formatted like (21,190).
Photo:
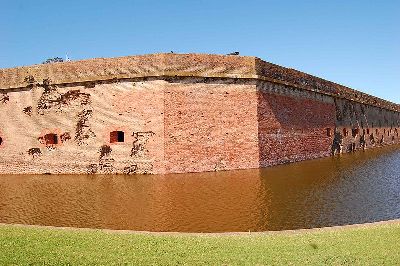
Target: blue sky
(354,43)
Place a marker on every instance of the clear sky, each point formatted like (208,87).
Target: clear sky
(354,43)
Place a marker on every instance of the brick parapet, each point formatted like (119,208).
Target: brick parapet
(180,65)
(294,78)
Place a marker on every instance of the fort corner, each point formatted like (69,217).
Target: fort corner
(177,113)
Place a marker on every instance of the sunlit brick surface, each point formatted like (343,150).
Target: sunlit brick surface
(170,113)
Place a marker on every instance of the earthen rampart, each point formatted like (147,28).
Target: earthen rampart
(179,65)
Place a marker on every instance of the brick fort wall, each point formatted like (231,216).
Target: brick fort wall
(173,113)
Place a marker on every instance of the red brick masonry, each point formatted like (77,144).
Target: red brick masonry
(170,113)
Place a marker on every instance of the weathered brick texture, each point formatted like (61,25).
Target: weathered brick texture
(83,128)
(293,127)
(210,127)
(179,113)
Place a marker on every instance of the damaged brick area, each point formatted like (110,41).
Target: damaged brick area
(141,163)
(105,164)
(27,110)
(51,99)
(139,168)
(4,98)
(65,137)
(139,149)
(35,152)
(83,130)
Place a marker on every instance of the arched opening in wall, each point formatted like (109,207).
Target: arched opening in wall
(51,139)
(117,136)
(329,132)
(367,131)
(1,141)
(354,132)
(345,132)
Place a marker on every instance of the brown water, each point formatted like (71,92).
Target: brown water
(355,188)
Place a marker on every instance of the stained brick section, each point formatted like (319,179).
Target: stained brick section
(293,128)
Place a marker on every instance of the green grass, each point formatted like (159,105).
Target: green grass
(371,245)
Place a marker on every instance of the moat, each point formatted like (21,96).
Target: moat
(353,188)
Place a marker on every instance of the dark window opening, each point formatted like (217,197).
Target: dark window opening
(117,136)
(345,132)
(377,131)
(328,132)
(51,139)
(1,141)
(367,131)
(355,131)
(120,136)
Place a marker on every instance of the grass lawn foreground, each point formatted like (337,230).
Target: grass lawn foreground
(377,244)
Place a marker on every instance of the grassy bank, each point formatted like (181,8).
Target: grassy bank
(370,245)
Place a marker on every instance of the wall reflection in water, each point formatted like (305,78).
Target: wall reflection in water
(355,188)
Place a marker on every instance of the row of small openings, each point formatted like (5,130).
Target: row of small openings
(52,139)
(389,132)
(119,136)
(356,131)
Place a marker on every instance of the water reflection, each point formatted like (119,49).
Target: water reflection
(356,188)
